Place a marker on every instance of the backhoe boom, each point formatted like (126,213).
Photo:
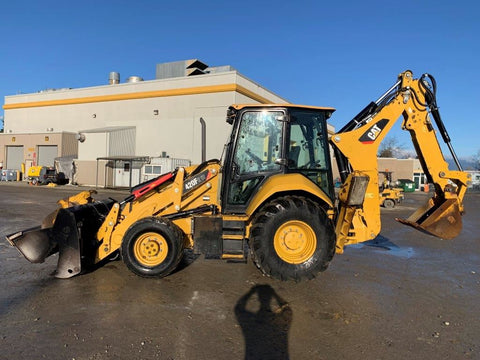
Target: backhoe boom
(356,147)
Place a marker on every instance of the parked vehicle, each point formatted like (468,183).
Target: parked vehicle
(390,196)
(44,175)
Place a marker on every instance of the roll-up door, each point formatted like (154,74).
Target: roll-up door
(14,157)
(47,154)
(122,142)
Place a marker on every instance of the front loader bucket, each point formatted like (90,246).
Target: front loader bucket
(73,236)
(33,243)
(439,218)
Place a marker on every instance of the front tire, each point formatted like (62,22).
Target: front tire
(389,203)
(292,238)
(152,247)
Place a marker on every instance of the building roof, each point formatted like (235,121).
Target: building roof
(241,106)
(107,129)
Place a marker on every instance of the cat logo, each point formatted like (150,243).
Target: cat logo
(372,133)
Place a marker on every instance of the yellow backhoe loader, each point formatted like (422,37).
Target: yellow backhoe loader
(390,196)
(272,196)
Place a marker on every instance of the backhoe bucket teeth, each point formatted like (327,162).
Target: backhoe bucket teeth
(443,220)
(73,236)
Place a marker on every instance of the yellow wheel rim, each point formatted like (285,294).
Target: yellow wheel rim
(150,249)
(295,242)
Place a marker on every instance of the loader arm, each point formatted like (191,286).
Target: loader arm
(356,147)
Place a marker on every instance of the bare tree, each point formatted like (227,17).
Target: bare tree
(390,147)
(476,160)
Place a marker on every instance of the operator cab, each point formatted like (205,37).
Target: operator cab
(269,140)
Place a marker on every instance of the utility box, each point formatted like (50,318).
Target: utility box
(9,175)
(161,165)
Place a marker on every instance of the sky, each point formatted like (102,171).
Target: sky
(342,54)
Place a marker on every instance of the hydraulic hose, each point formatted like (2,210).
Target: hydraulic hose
(431,99)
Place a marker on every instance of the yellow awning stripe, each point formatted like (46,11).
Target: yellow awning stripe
(142,95)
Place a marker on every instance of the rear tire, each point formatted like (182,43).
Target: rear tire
(389,203)
(152,247)
(292,238)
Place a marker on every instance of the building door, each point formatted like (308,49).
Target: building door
(420,180)
(47,155)
(124,173)
(14,157)
(28,164)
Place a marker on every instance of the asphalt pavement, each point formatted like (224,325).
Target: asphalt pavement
(404,295)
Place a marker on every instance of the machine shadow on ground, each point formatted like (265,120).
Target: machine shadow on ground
(265,319)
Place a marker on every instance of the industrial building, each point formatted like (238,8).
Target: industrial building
(120,134)
(410,169)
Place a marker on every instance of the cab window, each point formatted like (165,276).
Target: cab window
(259,145)
(259,142)
(308,150)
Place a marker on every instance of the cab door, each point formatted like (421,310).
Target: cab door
(256,145)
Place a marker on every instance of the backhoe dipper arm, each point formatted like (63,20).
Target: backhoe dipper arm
(356,147)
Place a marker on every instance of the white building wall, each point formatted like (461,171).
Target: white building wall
(163,120)
(94,146)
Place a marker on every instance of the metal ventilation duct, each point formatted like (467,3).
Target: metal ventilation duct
(180,69)
(114,78)
(134,79)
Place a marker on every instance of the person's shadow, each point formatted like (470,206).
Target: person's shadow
(265,323)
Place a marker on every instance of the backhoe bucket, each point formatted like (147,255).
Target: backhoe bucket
(73,236)
(442,219)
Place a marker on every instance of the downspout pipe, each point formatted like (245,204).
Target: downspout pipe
(204,139)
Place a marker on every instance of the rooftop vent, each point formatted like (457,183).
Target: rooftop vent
(195,67)
(134,79)
(114,78)
(181,68)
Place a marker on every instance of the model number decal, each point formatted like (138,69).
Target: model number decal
(195,181)
(191,183)
(372,133)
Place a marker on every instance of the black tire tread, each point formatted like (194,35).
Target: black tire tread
(389,203)
(153,221)
(264,219)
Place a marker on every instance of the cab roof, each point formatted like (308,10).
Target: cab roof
(245,106)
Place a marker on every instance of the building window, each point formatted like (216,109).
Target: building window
(153,170)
